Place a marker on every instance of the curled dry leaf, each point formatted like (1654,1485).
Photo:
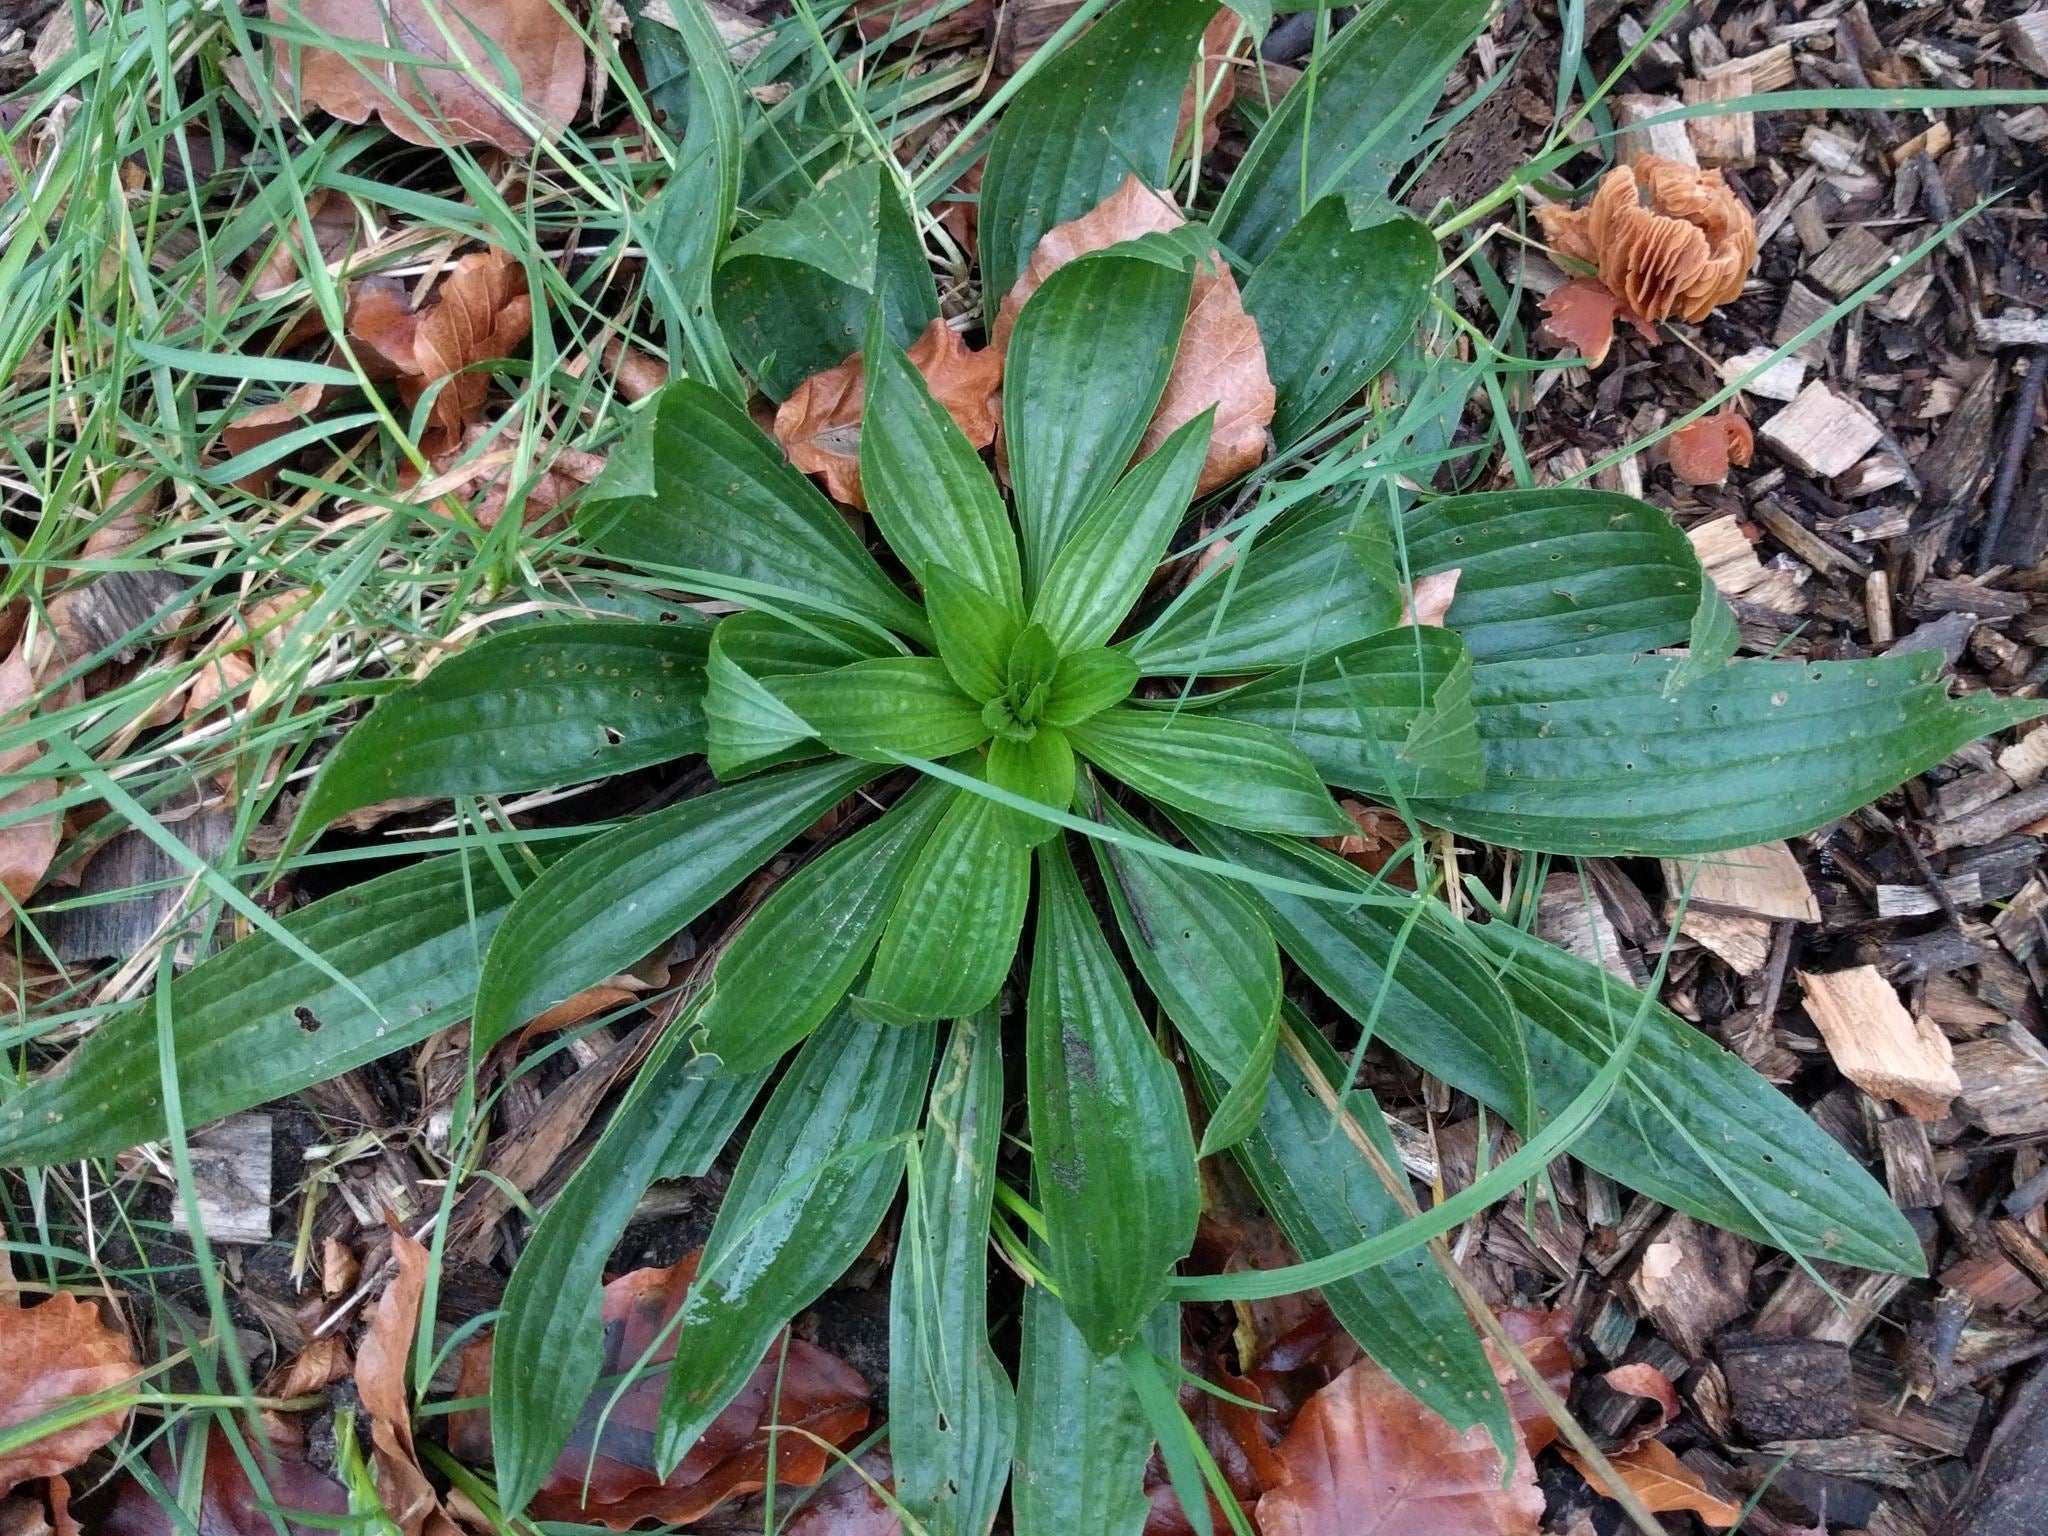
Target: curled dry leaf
(820,1395)
(819,424)
(481,311)
(409,1499)
(1221,360)
(1429,598)
(1663,1482)
(52,1354)
(1701,451)
(1666,239)
(1379,837)
(452,93)
(229,1505)
(1364,1455)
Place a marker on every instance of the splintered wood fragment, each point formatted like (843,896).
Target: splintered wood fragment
(1841,1309)
(1992,1280)
(1668,140)
(2004,1079)
(1768,69)
(1993,822)
(1821,432)
(1766,380)
(1788,1388)
(2012,328)
(1880,472)
(1691,1282)
(1909,1174)
(1804,307)
(230,1180)
(2008,1490)
(1880,1046)
(1742,942)
(1972,792)
(1763,880)
(1919,900)
(1725,138)
(1852,259)
(1887,1405)
(2026,759)
(1570,916)
(2026,39)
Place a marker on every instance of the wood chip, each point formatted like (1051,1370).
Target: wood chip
(1726,138)
(1571,916)
(1803,307)
(1692,1281)
(1852,259)
(1670,141)
(1788,1388)
(1821,432)
(1880,1046)
(2004,1081)
(1764,880)
(1742,942)
(2013,328)
(1778,381)
(2026,39)
(230,1180)
(2026,759)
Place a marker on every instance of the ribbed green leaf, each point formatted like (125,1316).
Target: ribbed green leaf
(1392,712)
(903,706)
(794,294)
(1087,683)
(747,726)
(1235,1114)
(1040,769)
(1333,304)
(952,1413)
(1434,1002)
(256,1023)
(1085,368)
(1588,755)
(1202,948)
(792,963)
(1082,1438)
(620,895)
(529,708)
(721,498)
(1351,125)
(1098,577)
(954,931)
(1560,572)
(548,1349)
(1109,1128)
(1690,1125)
(821,1167)
(1296,595)
(973,629)
(926,487)
(1102,110)
(1325,1196)
(1240,775)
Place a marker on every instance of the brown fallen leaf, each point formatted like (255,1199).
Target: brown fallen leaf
(1429,598)
(848,1504)
(409,1499)
(1701,451)
(1667,239)
(1544,1338)
(1663,1482)
(1380,835)
(1213,85)
(820,1395)
(229,1505)
(335,227)
(1365,1456)
(480,312)
(1646,1381)
(534,37)
(266,423)
(52,1354)
(1132,210)
(819,424)
(966,23)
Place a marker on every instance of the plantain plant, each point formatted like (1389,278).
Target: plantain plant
(1056,789)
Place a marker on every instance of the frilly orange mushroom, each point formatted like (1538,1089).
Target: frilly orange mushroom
(1701,451)
(1666,239)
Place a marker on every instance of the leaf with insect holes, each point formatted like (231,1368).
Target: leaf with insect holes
(533,707)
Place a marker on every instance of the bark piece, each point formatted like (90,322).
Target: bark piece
(1880,1046)
(1692,1281)
(1821,432)
(1789,1388)
(2004,1081)
(231,1180)
(2008,1494)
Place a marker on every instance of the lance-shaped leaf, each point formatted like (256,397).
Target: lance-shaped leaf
(1390,713)
(1690,1125)
(1086,365)
(954,931)
(1325,1195)
(1561,572)
(256,1022)
(1082,1438)
(884,711)
(1041,769)
(1109,1128)
(1295,595)
(795,293)
(1399,964)
(1351,126)
(1240,775)
(549,1346)
(718,497)
(529,708)
(819,1172)
(747,726)
(1102,109)
(927,489)
(1097,578)
(1598,755)
(620,895)
(1202,947)
(793,962)
(1087,683)
(1334,303)
(952,1413)
(974,630)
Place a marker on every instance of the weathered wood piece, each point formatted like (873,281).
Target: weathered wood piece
(1878,1044)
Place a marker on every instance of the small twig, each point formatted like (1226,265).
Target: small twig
(2017,431)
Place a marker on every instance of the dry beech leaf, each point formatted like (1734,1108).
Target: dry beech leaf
(1666,239)
(480,311)
(1544,1338)
(51,1354)
(1221,360)
(1365,1456)
(228,1504)
(533,36)
(823,1401)
(333,219)
(1428,599)
(1213,85)
(1701,451)
(1380,835)
(409,1499)
(1663,1482)
(819,424)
